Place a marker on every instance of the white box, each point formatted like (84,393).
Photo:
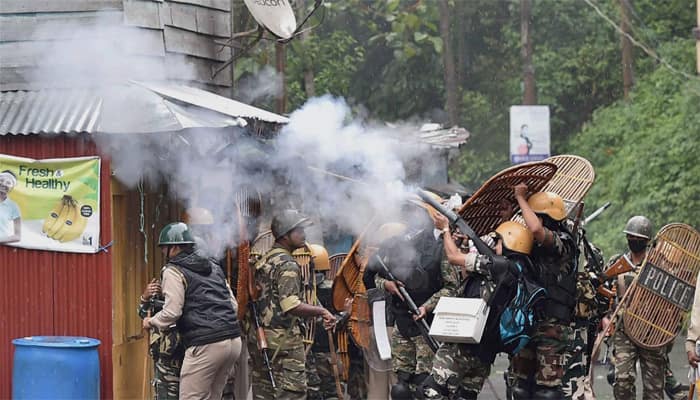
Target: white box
(459,320)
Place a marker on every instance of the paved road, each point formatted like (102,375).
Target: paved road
(603,390)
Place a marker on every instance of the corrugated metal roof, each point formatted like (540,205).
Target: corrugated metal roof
(211,101)
(136,107)
(49,111)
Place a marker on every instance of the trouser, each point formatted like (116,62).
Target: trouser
(378,372)
(166,379)
(652,363)
(539,367)
(239,380)
(456,370)
(288,368)
(206,368)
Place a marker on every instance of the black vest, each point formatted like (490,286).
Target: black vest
(207,315)
(418,267)
(560,285)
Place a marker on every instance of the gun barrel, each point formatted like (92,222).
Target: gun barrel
(596,213)
(422,324)
(457,221)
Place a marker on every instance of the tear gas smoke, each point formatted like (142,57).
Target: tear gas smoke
(207,167)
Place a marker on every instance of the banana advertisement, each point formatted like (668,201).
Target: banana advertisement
(51,204)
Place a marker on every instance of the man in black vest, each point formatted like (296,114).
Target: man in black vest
(415,259)
(199,299)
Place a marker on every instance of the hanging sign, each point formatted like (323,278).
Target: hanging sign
(50,204)
(529,133)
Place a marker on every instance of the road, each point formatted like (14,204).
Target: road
(603,390)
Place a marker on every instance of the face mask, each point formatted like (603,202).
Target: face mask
(636,245)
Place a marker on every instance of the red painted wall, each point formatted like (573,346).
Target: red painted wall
(54,293)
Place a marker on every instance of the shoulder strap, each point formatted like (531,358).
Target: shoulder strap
(274,252)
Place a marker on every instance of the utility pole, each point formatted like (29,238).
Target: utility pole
(233,50)
(280,56)
(450,70)
(530,89)
(697,37)
(627,60)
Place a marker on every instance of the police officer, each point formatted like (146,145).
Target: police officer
(165,347)
(199,299)
(459,370)
(539,367)
(626,353)
(281,311)
(415,259)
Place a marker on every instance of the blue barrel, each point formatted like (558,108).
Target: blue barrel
(56,367)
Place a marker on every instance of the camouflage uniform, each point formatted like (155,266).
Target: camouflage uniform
(543,361)
(413,355)
(167,350)
(653,363)
(587,309)
(456,369)
(279,277)
(576,366)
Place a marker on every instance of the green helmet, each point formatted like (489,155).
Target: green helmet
(639,226)
(287,220)
(175,233)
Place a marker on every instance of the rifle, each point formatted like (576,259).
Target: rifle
(422,324)
(262,341)
(458,221)
(253,295)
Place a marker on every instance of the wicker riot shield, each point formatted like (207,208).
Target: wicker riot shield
(574,177)
(481,210)
(663,292)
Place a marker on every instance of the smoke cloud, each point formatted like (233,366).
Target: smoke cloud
(340,169)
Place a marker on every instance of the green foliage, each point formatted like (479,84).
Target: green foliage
(333,62)
(644,152)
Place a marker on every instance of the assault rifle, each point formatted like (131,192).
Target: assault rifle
(261,339)
(459,222)
(422,324)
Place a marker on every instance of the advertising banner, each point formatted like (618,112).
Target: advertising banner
(529,133)
(51,204)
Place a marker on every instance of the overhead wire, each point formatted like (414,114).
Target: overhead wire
(651,53)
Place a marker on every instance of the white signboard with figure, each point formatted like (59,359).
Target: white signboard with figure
(529,133)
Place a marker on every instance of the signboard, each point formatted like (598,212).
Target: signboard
(529,133)
(50,204)
(669,287)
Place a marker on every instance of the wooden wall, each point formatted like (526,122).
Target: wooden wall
(160,39)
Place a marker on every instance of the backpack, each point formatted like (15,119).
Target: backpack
(518,318)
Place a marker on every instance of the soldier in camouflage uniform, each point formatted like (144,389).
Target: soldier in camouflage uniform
(281,310)
(460,370)
(626,352)
(165,347)
(416,260)
(539,367)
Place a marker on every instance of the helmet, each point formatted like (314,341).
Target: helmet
(287,220)
(320,256)
(420,203)
(548,203)
(389,230)
(198,216)
(516,237)
(175,233)
(638,226)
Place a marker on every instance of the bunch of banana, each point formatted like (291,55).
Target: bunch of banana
(64,222)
